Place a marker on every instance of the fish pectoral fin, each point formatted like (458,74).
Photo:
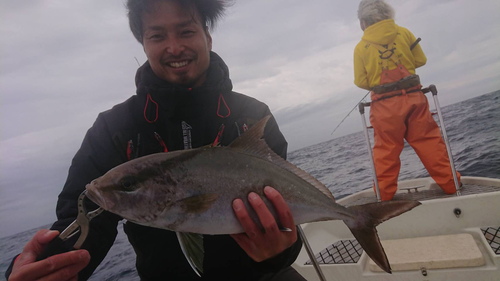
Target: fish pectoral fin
(197,203)
(192,247)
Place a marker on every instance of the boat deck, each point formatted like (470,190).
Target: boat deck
(343,258)
(429,194)
(349,251)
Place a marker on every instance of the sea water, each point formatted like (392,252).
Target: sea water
(343,165)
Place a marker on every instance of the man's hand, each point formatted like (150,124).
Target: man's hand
(260,245)
(59,267)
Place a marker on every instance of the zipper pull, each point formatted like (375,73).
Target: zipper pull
(219,136)
(130,150)
(162,143)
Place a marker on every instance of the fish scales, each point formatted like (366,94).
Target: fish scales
(230,175)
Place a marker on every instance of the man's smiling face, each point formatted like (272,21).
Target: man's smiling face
(177,43)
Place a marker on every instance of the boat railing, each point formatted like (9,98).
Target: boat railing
(432,89)
(362,106)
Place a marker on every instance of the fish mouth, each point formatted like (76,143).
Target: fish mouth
(95,196)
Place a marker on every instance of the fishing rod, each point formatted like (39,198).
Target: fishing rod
(356,106)
(415,43)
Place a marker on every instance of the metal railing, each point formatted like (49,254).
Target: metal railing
(433,90)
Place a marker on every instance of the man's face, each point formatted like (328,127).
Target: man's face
(176,43)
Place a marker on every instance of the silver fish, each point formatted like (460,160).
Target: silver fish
(191,192)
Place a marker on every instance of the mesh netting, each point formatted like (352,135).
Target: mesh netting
(343,251)
(492,235)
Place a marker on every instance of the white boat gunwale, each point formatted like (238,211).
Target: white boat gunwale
(435,217)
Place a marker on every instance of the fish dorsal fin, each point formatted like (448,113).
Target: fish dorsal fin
(248,140)
(192,247)
(251,143)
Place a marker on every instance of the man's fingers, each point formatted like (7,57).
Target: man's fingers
(284,214)
(69,272)
(261,246)
(281,207)
(35,246)
(48,236)
(65,265)
(246,221)
(266,218)
(38,242)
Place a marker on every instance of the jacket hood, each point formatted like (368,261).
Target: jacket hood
(381,33)
(217,79)
(179,101)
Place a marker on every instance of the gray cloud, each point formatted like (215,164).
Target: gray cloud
(63,62)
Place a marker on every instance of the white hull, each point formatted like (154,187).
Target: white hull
(435,217)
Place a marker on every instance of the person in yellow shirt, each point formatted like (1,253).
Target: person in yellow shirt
(384,62)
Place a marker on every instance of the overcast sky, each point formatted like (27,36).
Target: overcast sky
(63,62)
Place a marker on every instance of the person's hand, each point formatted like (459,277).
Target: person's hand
(261,245)
(59,267)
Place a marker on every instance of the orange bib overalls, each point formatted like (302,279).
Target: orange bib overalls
(402,115)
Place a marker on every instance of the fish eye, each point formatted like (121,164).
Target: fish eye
(128,183)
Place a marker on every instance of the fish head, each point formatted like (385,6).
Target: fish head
(138,190)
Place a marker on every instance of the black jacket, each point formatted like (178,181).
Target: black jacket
(165,117)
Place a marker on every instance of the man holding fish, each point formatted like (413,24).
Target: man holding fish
(224,172)
(184,100)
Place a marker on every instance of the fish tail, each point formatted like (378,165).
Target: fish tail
(368,217)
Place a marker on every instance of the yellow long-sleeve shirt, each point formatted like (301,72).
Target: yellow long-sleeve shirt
(367,61)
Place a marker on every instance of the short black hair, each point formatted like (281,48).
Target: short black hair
(210,12)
